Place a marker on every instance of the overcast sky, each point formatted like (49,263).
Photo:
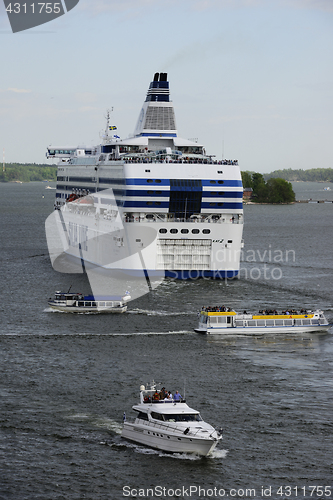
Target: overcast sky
(250,79)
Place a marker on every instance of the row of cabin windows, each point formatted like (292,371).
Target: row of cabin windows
(279,322)
(179,417)
(184,231)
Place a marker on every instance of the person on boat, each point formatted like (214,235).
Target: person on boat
(177,396)
(156,396)
(163,393)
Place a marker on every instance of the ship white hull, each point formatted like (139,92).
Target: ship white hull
(166,441)
(74,309)
(262,330)
(132,247)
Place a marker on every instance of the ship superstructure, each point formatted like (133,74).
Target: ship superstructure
(161,183)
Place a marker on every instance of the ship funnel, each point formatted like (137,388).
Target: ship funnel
(156,77)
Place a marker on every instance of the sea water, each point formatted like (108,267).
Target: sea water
(65,380)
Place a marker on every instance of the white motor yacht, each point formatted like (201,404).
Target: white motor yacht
(169,425)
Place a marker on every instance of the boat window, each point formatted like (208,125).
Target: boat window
(109,304)
(322,322)
(314,322)
(195,231)
(149,180)
(252,322)
(157,416)
(206,231)
(306,322)
(220,182)
(239,322)
(162,230)
(173,231)
(142,415)
(158,180)
(183,417)
(184,231)
(270,322)
(288,322)
(213,319)
(279,322)
(261,322)
(298,322)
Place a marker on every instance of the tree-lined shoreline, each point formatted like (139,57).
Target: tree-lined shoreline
(29,172)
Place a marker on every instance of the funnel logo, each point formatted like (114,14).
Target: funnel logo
(24,14)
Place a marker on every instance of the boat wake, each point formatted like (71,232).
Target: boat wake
(158,313)
(216,454)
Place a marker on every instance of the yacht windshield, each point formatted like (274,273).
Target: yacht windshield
(183,417)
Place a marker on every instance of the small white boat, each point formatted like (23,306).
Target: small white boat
(169,425)
(78,303)
(221,320)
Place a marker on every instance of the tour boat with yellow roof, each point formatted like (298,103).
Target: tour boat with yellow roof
(221,320)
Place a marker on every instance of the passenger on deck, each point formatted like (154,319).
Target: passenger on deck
(156,396)
(177,396)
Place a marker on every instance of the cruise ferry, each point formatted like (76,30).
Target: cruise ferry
(224,321)
(177,211)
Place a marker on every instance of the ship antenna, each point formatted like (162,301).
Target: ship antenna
(108,111)
(70,288)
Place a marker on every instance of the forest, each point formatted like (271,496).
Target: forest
(274,190)
(27,172)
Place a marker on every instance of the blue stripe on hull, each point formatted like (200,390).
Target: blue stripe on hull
(197,274)
(181,275)
(166,182)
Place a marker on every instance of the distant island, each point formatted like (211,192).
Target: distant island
(275,190)
(311,175)
(28,172)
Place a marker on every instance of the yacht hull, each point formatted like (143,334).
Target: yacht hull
(171,443)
